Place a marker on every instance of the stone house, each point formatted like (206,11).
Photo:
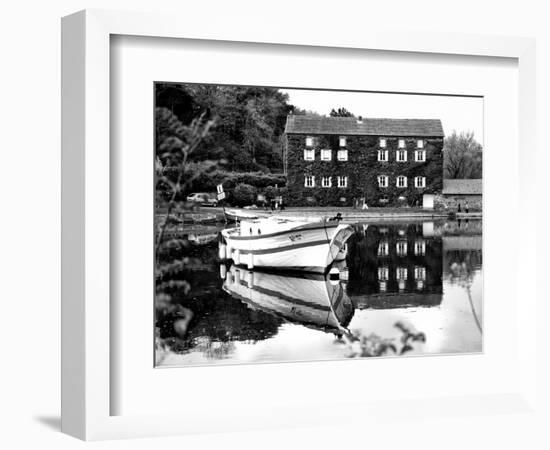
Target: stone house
(464,193)
(333,161)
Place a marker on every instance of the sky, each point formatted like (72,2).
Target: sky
(456,113)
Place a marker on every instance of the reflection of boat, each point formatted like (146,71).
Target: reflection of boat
(312,300)
(281,243)
(200,218)
(202,239)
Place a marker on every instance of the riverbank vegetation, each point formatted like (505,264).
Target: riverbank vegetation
(246,142)
(250,122)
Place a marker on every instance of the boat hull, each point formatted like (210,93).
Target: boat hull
(310,248)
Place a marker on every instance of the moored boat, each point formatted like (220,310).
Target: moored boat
(281,243)
(241,214)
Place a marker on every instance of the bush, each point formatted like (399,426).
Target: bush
(207,182)
(257,179)
(244,194)
(270,192)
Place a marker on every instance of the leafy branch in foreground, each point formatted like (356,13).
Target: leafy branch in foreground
(176,151)
(175,146)
(372,345)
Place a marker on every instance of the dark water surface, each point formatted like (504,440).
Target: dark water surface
(404,289)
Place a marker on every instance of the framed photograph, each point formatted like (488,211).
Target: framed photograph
(252,219)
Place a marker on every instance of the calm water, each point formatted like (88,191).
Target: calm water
(404,289)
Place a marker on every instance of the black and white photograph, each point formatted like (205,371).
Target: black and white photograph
(251,225)
(308,224)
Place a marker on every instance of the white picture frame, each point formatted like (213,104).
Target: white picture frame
(86,283)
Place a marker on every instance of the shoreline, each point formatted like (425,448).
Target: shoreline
(205,215)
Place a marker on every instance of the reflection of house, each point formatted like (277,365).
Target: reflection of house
(466,193)
(394,266)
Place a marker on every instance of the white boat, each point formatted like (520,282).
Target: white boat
(243,214)
(285,244)
(312,300)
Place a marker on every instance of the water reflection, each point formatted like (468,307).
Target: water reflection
(311,300)
(404,288)
(462,263)
(394,266)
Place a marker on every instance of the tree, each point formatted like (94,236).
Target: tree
(462,156)
(244,194)
(295,110)
(341,112)
(249,122)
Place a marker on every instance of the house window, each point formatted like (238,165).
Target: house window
(383,273)
(419,143)
(383,286)
(401,273)
(382,155)
(401,248)
(382,143)
(419,273)
(309,154)
(326,182)
(382,181)
(401,143)
(326,155)
(309,181)
(401,155)
(309,141)
(383,248)
(401,181)
(420,248)
(342,182)
(342,141)
(420,182)
(342,155)
(420,155)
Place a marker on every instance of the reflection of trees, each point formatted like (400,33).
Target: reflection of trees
(218,319)
(463,227)
(213,349)
(461,267)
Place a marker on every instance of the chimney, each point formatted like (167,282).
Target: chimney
(360,119)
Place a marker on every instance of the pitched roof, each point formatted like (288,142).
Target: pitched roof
(305,124)
(463,187)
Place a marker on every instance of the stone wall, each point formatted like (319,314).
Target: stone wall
(451,202)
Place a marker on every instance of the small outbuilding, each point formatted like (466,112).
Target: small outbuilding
(463,193)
